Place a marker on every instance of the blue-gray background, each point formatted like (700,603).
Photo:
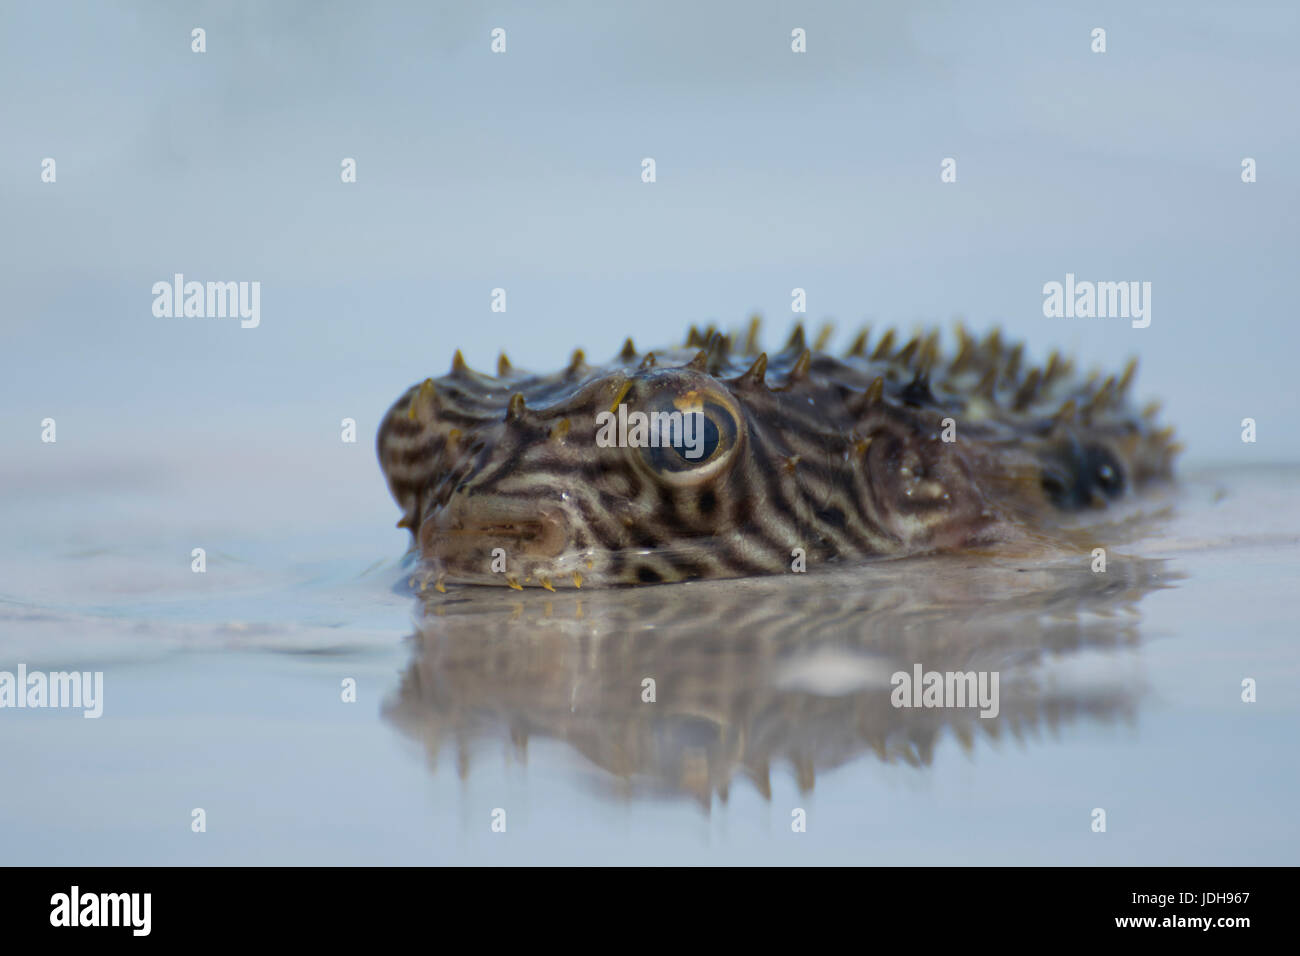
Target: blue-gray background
(522,171)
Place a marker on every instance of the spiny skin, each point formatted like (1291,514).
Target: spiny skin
(840,457)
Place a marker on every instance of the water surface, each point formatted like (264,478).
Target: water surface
(1119,690)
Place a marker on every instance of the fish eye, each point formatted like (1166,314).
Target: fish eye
(705,437)
(690,437)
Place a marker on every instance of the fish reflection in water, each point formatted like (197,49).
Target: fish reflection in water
(754,674)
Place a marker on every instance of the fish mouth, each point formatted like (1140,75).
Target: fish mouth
(520,531)
(467,538)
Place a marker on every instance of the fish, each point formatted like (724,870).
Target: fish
(715,459)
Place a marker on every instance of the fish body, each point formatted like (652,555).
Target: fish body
(714,459)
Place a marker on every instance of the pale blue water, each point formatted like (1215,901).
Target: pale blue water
(222,691)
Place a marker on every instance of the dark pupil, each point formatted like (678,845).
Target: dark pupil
(706,444)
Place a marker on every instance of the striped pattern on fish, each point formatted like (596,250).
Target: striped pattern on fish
(887,449)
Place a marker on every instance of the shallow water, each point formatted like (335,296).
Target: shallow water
(222,690)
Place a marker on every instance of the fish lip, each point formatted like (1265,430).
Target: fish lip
(463,532)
